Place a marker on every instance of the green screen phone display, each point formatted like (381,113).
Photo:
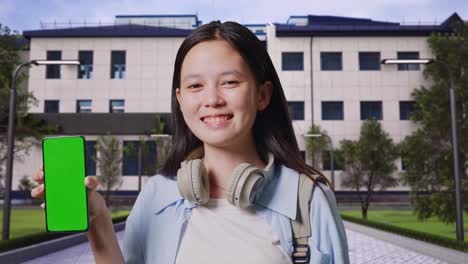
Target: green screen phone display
(66,204)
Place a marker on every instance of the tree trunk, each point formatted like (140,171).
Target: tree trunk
(364,212)
(108,193)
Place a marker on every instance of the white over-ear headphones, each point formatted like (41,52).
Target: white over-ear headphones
(243,184)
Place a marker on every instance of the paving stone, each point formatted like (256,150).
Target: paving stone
(363,249)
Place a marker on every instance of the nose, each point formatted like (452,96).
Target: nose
(213,97)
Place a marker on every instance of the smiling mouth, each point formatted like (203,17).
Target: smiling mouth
(216,119)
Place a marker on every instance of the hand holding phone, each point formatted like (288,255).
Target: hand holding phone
(100,233)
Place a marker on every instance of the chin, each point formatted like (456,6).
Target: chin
(216,141)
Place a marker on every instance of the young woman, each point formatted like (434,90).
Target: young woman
(231,120)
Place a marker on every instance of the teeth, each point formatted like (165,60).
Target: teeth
(215,119)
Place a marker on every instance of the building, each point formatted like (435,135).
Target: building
(332,76)
(329,67)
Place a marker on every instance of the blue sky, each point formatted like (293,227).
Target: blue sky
(27,14)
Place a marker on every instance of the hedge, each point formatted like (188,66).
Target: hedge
(430,238)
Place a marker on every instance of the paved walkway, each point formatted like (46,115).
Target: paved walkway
(366,246)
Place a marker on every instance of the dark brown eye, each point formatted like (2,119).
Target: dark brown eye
(231,82)
(196,85)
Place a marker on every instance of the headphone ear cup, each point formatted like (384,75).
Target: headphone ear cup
(242,185)
(193,182)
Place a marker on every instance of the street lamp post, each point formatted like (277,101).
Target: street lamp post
(11,139)
(453,113)
(140,154)
(332,169)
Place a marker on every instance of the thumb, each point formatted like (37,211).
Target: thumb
(91,182)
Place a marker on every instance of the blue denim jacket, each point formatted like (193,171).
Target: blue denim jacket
(158,219)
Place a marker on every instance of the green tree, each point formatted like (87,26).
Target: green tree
(25,184)
(163,144)
(316,145)
(427,153)
(369,163)
(28,130)
(109,160)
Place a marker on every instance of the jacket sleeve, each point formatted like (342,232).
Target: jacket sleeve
(133,245)
(328,242)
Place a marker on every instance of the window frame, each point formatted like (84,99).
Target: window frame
(379,103)
(120,72)
(292,107)
(340,116)
(407,104)
(85,70)
(323,65)
(50,101)
(408,66)
(290,59)
(111,107)
(53,71)
(79,107)
(90,148)
(361,56)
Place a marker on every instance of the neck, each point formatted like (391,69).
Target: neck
(221,161)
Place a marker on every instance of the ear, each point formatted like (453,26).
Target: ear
(177,93)
(264,95)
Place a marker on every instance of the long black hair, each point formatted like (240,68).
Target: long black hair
(273,131)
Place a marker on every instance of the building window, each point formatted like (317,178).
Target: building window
(372,109)
(90,157)
(330,61)
(404,165)
(296,110)
(116,106)
(83,106)
(326,161)
(332,110)
(369,61)
(407,55)
(130,158)
(406,109)
(51,106)
(118,64)
(292,61)
(85,71)
(53,71)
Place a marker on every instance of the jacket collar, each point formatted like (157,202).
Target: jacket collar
(279,193)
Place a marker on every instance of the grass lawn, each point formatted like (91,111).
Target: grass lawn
(409,220)
(31,221)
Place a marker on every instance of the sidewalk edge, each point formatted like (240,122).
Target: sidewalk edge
(47,247)
(435,251)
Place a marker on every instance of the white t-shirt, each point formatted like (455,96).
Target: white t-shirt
(218,232)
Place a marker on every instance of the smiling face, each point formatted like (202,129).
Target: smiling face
(218,95)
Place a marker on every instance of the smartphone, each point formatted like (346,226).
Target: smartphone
(66,199)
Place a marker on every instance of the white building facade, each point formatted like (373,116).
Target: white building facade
(329,68)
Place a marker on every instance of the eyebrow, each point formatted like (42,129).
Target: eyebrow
(194,76)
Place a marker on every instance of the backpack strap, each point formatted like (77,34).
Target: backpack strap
(301,226)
